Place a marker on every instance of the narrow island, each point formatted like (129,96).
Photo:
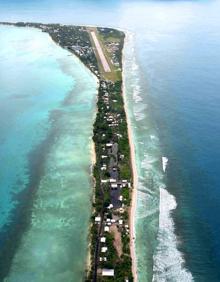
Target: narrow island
(111,233)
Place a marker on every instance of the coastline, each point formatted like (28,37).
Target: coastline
(134,174)
(93,162)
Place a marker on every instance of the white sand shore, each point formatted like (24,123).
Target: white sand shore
(93,162)
(93,153)
(135,182)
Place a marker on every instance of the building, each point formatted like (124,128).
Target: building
(120,221)
(108,272)
(104,249)
(114,186)
(97,219)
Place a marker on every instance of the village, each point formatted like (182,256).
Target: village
(111,218)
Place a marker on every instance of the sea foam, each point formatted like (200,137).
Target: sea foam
(168,260)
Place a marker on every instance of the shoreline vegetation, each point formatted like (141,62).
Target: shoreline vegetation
(112,235)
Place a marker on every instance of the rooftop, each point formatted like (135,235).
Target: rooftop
(108,272)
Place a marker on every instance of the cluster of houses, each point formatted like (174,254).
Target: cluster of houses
(107,223)
(113,48)
(110,180)
(82,50)
(85,52)
(111,118)
(75,39)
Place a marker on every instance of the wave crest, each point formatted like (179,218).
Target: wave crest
(168,260)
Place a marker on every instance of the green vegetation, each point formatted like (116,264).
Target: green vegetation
(110,104)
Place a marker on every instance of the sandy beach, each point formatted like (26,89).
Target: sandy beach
(135,181)
(93,154)
(93,162)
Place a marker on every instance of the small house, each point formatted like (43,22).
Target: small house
(112,180)
(120,221)
(104,249)
(108,272)
(97,219)
(114,186)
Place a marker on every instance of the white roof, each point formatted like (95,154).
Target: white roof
(108,272)
(97,219)
(104,249)
(112,180)
(109,144)
(106,228)
(103,239)
(120,221)
(114,185)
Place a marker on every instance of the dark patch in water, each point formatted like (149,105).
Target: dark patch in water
(23,96)
(11,236)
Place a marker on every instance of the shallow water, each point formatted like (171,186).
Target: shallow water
(48,137)
(172,91)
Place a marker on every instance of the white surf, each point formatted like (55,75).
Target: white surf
(164,163)
(168,260)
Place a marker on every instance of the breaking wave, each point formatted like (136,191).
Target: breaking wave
(168,260)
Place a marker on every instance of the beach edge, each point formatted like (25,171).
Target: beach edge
(133,206)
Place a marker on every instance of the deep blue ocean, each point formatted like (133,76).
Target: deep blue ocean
(177,51)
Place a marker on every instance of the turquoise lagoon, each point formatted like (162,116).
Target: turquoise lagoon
(47,108)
